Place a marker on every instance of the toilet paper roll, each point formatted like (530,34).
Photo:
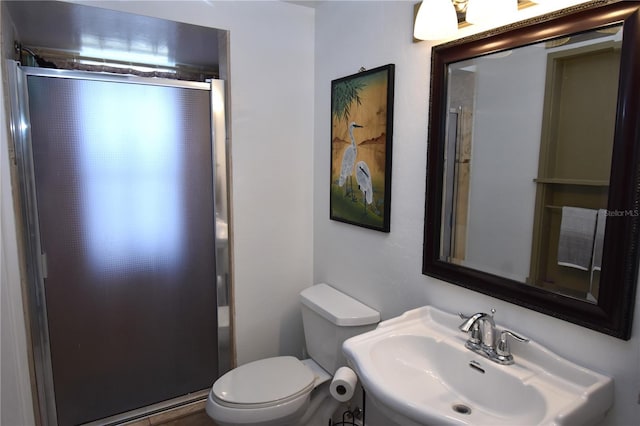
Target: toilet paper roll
(343,384)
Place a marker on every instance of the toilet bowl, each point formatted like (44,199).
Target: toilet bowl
(272,391)
(286,391)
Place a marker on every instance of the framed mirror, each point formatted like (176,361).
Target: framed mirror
(533,178)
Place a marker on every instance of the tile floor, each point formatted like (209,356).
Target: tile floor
(195,419)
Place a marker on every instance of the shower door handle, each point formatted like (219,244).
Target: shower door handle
(43,265)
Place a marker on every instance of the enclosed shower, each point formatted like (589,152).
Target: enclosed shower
(123,192)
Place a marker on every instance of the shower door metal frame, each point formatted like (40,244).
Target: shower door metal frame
(34,266)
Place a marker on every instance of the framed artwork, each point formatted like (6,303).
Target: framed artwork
(361,140)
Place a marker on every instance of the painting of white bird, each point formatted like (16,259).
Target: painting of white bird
(363,177)
(361,148)
(348,160)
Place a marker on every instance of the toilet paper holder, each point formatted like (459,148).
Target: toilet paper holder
(353,416)
(342,388)
(343,384)
(349,418)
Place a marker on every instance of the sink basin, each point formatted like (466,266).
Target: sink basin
(448,377)
(418,371)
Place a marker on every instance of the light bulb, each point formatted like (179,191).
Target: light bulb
(436,20)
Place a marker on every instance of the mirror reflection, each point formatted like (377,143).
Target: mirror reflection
(529,137)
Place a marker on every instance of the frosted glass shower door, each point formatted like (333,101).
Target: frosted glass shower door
(124,190)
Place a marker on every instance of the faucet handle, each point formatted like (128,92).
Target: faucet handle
(466,317)
(472,327)
(475,335)
(502,348)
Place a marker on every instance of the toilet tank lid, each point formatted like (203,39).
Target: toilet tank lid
(337,307)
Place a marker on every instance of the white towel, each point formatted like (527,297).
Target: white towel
(577,230)
(599,240)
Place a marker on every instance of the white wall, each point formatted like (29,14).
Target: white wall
(383,270)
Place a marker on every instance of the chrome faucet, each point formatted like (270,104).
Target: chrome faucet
(482,329)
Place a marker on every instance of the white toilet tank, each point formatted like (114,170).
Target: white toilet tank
(329,318)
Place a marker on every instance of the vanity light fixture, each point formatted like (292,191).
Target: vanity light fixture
(438,19)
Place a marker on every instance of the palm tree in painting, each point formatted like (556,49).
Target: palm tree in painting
(344,95)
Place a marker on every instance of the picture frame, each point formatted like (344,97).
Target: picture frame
(361,148)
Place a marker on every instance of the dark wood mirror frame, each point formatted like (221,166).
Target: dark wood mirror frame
(616,299)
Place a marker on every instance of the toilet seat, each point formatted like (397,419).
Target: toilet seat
(269,392)
(264,383)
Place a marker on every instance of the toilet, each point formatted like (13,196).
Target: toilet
(286,391)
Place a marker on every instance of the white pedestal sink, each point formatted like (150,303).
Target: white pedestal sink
(417,369)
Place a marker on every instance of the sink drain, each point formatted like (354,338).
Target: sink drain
(461,408)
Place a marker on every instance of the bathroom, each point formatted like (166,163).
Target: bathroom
(282,59)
